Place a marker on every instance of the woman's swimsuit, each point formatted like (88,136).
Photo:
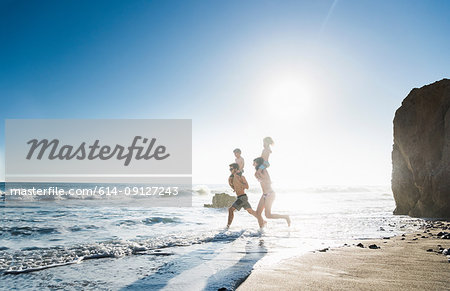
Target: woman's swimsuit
(266,195)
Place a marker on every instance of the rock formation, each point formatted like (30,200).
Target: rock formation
(421,153)
(221,200)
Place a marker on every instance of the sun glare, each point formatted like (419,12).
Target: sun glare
(288,98)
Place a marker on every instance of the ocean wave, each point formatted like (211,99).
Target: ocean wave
(77,228)
(127,222)
(35,259)
(154,220)
(201,190)
(27,230)
(148,221)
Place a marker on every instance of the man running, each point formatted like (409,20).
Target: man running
(239,184)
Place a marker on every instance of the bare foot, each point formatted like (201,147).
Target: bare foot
(288,220)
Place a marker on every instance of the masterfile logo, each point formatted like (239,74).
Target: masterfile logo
(139,158)
(94,151)
(89,147)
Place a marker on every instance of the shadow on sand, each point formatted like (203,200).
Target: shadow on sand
(233,276)
(228,278)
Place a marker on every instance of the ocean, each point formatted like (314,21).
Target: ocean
(87,244)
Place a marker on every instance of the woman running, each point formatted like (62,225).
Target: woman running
(268,195)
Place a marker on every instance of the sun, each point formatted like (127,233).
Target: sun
(287,98)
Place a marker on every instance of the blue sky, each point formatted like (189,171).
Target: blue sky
(215,61)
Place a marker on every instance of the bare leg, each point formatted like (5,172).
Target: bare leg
(258,216)
(230,215)
(260,209)
(261,205)
(268,212)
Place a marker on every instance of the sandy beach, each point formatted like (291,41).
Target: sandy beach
(413,261)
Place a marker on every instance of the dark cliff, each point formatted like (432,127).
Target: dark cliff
(421,153)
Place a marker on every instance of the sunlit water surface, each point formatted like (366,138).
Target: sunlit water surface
(91,245)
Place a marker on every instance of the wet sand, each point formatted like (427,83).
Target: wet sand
(414,261)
